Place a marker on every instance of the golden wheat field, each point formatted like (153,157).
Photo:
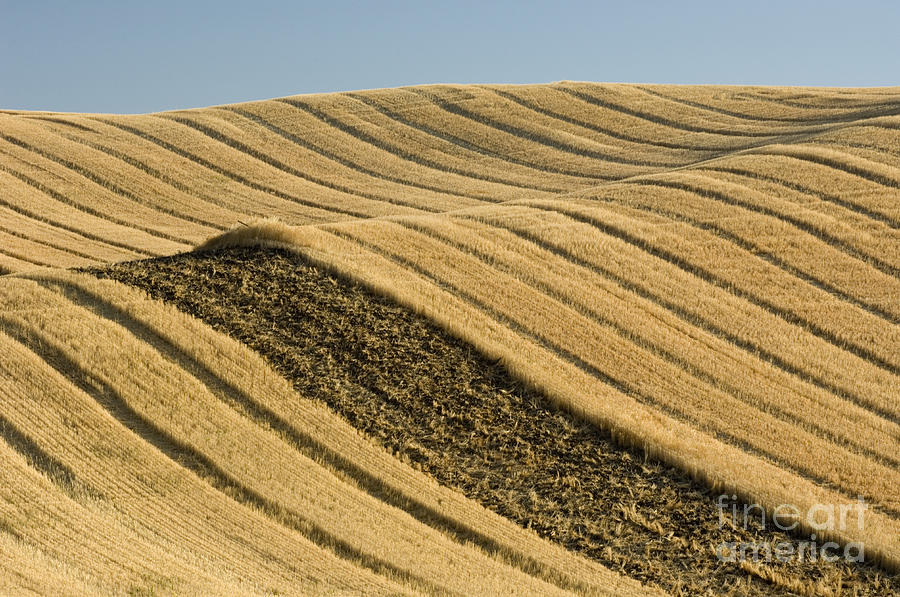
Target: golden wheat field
(710,275)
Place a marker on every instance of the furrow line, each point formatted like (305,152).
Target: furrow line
(749,246)
(81,207)
(886,124)
(55,470)
(827,197)
(93,177)
(73,526)
(884,156)
(278,165)
(149,170)
(674,124)
(68,123)
(533,136)
(443,136)
(38,218)
(21,257)
(711,278)
(34,252)
(722,111)
(816,158)
(798,103)
(475,302)
(695,318)
(218,193)
(232,175)
(303,442)
(201,465)
(593,127)
(798,223)
(858,98)
(36,344)
(620,385)
(852,444)
(46,243)
(853,116)
(330,155)
(193,523)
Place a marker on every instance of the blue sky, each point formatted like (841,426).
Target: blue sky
(121,56)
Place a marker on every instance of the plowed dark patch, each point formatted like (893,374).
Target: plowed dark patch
(438,404)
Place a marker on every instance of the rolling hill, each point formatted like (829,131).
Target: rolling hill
(702,284)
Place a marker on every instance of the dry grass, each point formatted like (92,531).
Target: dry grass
(720,461)
(459,417)
(708,273)
(231,448)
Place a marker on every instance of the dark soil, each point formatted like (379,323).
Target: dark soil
(438,404)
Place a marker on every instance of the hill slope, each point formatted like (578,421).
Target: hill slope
(166,456)
(710,273)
